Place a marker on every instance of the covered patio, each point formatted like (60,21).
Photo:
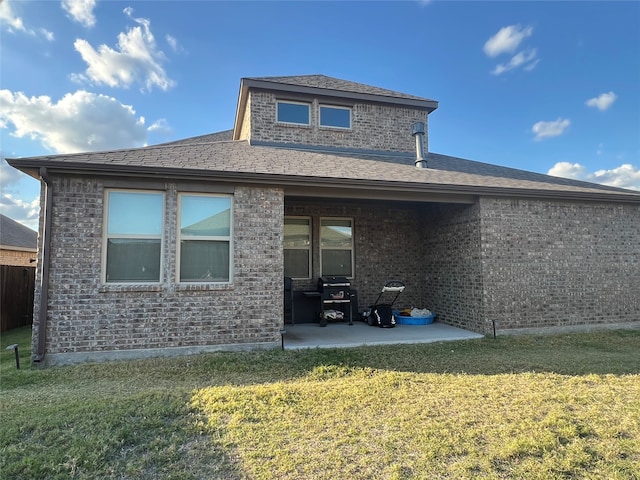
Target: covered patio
(341,334)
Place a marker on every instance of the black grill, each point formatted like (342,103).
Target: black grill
(334,288)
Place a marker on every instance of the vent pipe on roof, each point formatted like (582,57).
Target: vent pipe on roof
(417,130)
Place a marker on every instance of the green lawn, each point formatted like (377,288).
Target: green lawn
(562,406)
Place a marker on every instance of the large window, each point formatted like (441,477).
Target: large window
(204,250)
(293,112)
(297,247)
(133,240)
(336,246)
(337,117)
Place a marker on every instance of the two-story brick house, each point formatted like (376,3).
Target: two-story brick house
(182,247)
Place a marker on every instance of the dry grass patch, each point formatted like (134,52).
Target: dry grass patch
(361,423)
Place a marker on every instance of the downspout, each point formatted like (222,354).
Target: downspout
(44,271)
(418,131)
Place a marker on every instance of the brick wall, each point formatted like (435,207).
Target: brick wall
(452,267)
(374,126)
(18,258)
(554,263)
(520,263)
(387,243)
(91,320)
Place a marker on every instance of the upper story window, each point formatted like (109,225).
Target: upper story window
(133,240)
(336,247)
(204,247)
(336,117)
(293,112)
(297,247)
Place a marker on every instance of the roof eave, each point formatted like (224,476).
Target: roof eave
(327,184)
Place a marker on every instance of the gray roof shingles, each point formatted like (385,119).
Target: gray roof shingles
(14,234)
(217,156)
(337,84)
(243,161)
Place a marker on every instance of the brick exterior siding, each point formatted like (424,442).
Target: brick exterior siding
(520,263)
(91,320)
(453,271)
(554,263)
(387,244)
(374,126)
(17,258)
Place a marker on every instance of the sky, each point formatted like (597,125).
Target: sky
(549,87)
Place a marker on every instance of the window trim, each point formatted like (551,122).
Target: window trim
(336,107)
(309,249)
(106,237)
(180,237)
(292,102)
(352,248)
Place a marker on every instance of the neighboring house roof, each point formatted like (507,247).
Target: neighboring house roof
(14,234)
(300,170)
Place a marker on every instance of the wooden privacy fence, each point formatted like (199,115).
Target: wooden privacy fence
(16,296)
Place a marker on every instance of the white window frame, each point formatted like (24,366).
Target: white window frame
(351,248)
(336,107)
(309,248)
(284,122)
(180,237)
(106,236)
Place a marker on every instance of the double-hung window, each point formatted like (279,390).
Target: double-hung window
(204,246)
(133,240)
(336,246)
(297,247)
(293,112)
(335,117)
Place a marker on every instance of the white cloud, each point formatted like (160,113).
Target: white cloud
(506,40)
(49,36)
(13,23)
(173,43)
(161,127)
(10,203)
(624,176)
(10,20)
(136,60)
(78,122)
(526,58)
(550,129)
(603,101)
(17,209)
(81,11)
(8,175)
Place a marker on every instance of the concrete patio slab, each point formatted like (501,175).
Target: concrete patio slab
(338,335)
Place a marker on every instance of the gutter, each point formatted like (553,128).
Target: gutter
(44,274)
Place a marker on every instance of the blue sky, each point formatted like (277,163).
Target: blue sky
(550,87)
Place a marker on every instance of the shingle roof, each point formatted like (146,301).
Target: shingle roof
(337,84)
(209,137)
(14,234)
(239,161)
